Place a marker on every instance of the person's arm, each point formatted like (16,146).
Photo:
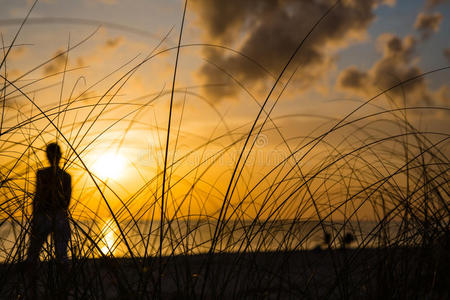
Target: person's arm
(68,190)
(38,191)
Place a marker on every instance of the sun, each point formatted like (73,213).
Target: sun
(109,166)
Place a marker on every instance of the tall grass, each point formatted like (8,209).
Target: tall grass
(207,220)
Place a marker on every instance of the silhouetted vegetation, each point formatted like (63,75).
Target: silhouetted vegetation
(258,241)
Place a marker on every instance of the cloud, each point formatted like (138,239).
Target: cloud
(30,2)
(269,31)
(113,42)
(427,24)
(16,52)
(57,64)
(390,2)
(443,95)
(433,3)
(389,70)
(101,51)
(447,54)
(397,64)
(353,79)
(109,2)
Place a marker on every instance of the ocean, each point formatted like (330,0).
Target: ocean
(94,238)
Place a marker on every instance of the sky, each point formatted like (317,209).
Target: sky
(232,54)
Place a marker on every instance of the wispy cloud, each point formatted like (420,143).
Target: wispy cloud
(101,51)
(113,42)
(57,64)
(16,52)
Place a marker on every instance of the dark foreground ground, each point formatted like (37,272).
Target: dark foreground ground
(394,273)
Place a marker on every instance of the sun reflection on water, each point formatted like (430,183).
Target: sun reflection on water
(109,237)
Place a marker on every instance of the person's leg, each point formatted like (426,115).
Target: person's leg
(62,237)
(38,235)
(40,228)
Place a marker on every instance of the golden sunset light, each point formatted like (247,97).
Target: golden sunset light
(109,237)
(109,165)
(210,149)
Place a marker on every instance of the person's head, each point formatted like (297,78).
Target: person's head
(53,153)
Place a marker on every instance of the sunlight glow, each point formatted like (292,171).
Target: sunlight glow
(109,165)
(108,233)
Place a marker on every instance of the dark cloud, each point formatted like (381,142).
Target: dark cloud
(353,79)
(427,24)
(396,65)
(269,31)
(57,64)
(447,54)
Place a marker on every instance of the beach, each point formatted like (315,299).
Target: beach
(394,273)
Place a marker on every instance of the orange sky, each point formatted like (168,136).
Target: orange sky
(116,89)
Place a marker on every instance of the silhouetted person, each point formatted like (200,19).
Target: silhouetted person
(347,240)
(327,239)
(50,208)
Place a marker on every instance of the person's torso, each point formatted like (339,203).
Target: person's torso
(54,190)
